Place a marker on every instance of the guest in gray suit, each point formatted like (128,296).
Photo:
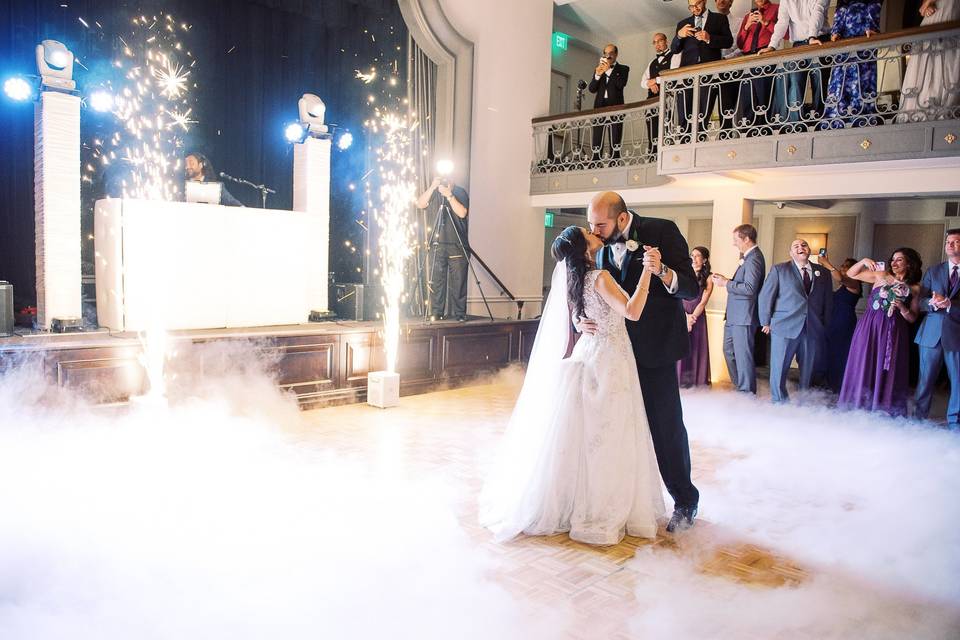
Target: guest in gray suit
(939,290)
(740,326)
(794,307)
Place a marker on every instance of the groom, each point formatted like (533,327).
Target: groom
(659,337)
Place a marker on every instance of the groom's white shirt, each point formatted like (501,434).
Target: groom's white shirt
(620,250)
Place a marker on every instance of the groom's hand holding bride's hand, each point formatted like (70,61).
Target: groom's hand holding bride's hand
(651,259)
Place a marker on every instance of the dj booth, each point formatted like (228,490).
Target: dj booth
(182,265)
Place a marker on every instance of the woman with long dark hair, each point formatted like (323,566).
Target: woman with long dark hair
(577,455)
(877,373)
(843,320)
(694,370)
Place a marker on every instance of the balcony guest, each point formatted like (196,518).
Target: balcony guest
(756,96)
(927,93)
(794,306)
(197,167)
(729,90)
(804,22)
(843,320)
(700,38)
(694,370)
(449,248)
(742,320)
(852,93)
(939,335)
(877,375)
(663,59)
(609,80)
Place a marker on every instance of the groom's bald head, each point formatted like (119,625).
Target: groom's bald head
(607,215)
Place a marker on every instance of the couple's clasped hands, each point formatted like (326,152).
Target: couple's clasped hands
(652,262)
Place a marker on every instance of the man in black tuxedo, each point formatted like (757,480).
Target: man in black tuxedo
(700,38)
(659,337)
(609,79)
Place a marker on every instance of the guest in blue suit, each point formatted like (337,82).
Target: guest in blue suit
(741,322)
(939,334)
(794,306)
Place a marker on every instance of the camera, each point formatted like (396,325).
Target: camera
(823,252)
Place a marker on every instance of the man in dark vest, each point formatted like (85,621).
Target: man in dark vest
(609,79)
(663,59)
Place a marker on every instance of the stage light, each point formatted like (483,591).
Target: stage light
(55,64)
(312,111)
(17,89)
(444,168)
(345,141)
(295,132)
(101,100)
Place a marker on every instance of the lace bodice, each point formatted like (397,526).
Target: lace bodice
(610,324)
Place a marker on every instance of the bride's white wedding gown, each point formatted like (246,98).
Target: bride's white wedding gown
(577,456)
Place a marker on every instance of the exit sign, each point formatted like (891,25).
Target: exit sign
(560,41)
(548,219)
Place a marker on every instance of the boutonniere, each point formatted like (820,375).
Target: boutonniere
(632,245)
(740,262)
(816,273)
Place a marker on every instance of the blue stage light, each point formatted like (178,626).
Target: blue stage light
(295,132)
(345,141)
(101,100)
(17,89)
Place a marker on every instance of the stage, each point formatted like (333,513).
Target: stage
(323,363)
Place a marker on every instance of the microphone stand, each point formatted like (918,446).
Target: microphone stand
(262,188)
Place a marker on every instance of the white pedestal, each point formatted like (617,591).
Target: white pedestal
(383,389)
(311,195)
(57,206)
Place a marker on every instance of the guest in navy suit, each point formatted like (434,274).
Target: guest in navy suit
(700,38)
(794,306)
(939,335)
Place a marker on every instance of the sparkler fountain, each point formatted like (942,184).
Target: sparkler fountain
(392,212)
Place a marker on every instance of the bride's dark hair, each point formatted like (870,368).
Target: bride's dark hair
(571,245)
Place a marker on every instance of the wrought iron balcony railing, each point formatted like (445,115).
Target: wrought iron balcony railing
(884,97)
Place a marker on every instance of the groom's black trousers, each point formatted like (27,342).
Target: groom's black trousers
(661,397)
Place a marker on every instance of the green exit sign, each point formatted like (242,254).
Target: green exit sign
(560,41)
(548,219)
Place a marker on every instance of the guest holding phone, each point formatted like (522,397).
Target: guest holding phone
(843,319)
(876,378)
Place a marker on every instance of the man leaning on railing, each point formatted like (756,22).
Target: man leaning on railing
(804,20)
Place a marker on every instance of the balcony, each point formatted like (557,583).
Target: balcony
(855,100)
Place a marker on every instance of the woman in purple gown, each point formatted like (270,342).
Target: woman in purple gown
(876,378)
(694,370)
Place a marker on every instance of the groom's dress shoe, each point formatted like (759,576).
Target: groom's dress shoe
(682,519)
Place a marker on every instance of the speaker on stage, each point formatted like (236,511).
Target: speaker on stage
(6,308)
(347,300)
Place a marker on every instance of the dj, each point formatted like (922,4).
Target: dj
(198,169)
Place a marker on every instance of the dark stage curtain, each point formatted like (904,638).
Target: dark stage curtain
(255,59)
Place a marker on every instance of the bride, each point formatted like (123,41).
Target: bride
(577,455)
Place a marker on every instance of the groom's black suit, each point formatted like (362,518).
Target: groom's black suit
(659,340)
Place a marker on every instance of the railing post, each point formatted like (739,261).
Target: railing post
(695,108)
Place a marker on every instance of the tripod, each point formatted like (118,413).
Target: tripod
(445,210)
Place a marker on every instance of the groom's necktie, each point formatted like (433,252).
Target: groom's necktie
(806,280)
(954,277)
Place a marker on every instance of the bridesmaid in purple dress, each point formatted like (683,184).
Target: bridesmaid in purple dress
(876,378)
(694,370)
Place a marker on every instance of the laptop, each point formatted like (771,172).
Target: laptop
(204,192)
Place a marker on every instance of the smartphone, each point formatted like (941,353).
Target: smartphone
(823,252)
(881,265)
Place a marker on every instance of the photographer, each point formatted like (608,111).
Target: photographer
(609,80)
(449,248)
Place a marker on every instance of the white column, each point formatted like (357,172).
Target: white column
(311,195)
(729,211)
(57,206)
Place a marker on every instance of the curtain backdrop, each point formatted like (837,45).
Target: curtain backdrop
(422,89)
(255,58)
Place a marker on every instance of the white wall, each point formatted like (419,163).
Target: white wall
(505,230)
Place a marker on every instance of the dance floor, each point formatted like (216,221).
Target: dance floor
(231,514)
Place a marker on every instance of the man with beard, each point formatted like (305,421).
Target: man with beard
(197,168)
(659,337)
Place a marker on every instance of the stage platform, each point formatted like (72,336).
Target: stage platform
(323,363)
